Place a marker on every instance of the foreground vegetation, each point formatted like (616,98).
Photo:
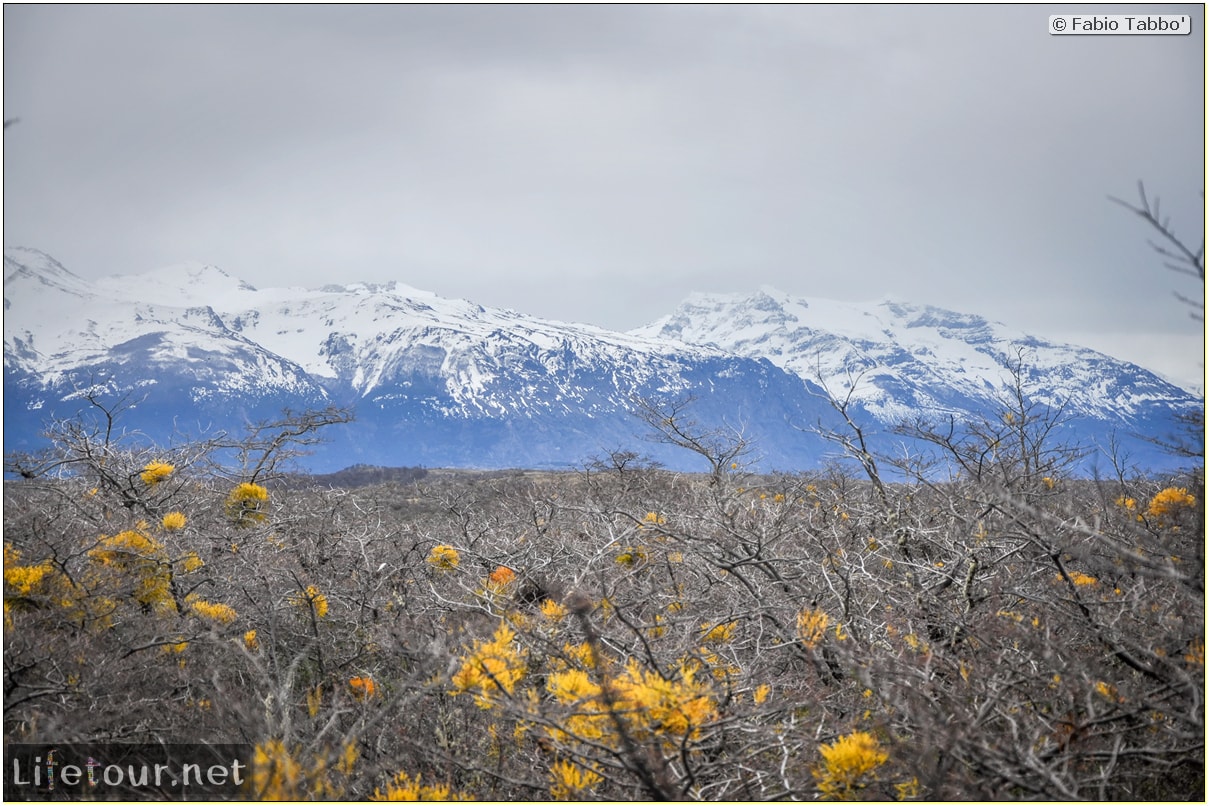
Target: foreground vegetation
(1000,631)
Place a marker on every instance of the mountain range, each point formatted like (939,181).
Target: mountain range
(448,383)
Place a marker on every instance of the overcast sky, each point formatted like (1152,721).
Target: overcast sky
(599,163)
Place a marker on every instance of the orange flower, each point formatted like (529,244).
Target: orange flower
(501,576)
(363,687)
(1170,500)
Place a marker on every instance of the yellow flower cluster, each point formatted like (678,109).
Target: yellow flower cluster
(579,655)
(679,705)
(849,764)
(141,556)
(278,772)
(24,578)
(191,562)
(651,704)
(631,556)
(275,773)
(124,546)
(812,626)
(155,472)
(718,634)
(404,787)
(589,720)
(245,503)
(703,660)
(1081,579)
(1170,500)
(491,667)
(443,558)
(311,597)
(569,780)
(553,610)
(217,612)
(174,521)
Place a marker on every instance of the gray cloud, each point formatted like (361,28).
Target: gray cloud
(597,163)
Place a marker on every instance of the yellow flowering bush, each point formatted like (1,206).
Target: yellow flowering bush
(680,705)
(216,612)
(191,562)
(404,787)
(278,772)
(155,472)
(848,765)
(588,718)
(1081,579)
(311,597)
(632,556)
(553,610)
(443,558)
(134,555)
(1169,501)
(125,546)
(651,704)
(491,667)
(579,655)
(718,633)
(571,686)
(24,578)
(25,581)
(812,626)
(174,521)
(247,502)
(569,780)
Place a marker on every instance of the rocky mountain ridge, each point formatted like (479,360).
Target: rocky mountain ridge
(440,382)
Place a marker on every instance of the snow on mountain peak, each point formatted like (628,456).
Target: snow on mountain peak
(902,358)
(406,353)
(31,265)
(182,284)
(393,287)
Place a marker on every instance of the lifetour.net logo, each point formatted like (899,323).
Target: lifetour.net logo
(126,771)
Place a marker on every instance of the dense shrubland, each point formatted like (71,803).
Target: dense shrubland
(986,626)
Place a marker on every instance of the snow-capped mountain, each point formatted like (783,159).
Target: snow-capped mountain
(57,325)
(904,359)
(445,382)
(432,381)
